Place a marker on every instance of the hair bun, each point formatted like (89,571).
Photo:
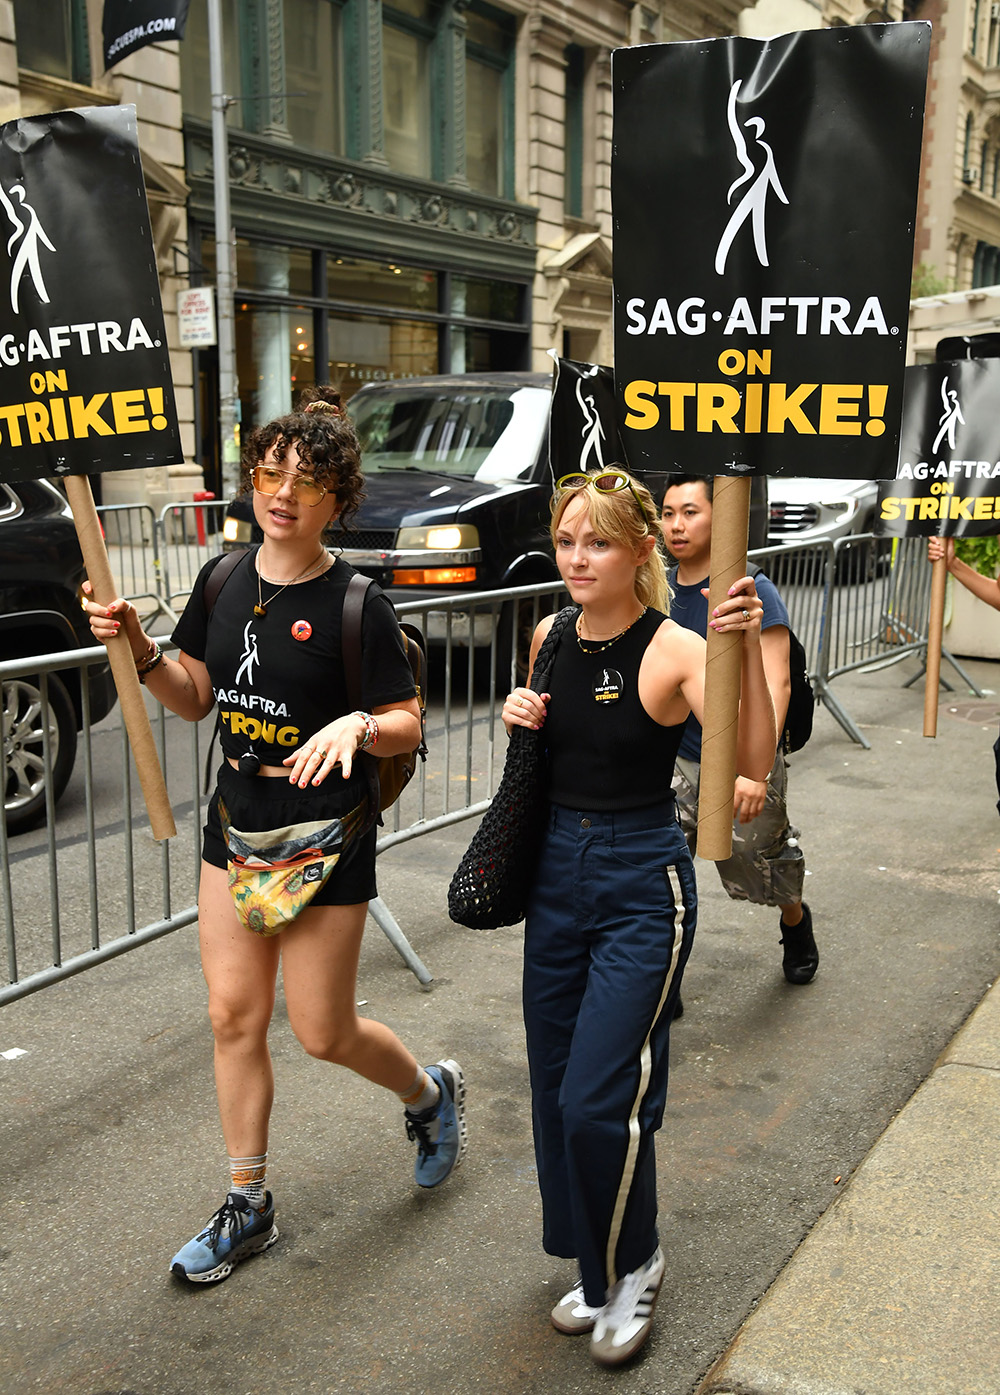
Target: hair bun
(319,406)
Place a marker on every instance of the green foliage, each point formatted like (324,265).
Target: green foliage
(926,281)
(981,553)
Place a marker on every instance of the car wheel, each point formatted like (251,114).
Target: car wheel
(23,747)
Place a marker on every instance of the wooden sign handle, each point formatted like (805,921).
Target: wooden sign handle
(723,662)
(935,628)
(140,734)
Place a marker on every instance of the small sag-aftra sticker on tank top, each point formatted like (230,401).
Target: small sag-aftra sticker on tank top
(301,629)
(608,687)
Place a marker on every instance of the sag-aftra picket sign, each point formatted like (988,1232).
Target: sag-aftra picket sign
(85,383)
(764,194)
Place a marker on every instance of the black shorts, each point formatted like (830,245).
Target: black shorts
(259,802)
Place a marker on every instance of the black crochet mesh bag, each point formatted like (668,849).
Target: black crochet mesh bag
(495,877)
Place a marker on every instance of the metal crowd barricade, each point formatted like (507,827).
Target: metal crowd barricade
(877,614)
(189,534)
(91,883)
(132,539)
(860,604)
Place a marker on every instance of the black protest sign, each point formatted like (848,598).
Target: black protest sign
(85,382)
(948,480)
(583,430)
(764,194)
(131,24)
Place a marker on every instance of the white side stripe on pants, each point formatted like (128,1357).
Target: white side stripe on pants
(645,1067)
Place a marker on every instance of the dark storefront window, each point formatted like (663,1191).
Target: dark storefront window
(313,65)
(366,349)
(275,359)
(273,270)
(479,299)
(353,279)
(305,316)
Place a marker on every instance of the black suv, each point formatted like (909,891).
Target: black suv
(458,486)
(41,569)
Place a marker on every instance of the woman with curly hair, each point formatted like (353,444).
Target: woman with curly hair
(267,649)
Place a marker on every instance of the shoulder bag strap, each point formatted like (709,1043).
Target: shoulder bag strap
(547,652)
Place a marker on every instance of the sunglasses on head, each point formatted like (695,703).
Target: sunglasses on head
(268,479)
(605,482)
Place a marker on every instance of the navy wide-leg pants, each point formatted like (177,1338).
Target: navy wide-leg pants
(609,929)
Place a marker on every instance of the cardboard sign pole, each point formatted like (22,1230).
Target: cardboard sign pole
(935,627)
(730,528)
(136,720)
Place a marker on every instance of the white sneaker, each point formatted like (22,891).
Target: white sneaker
(573,1314)
(623,1324)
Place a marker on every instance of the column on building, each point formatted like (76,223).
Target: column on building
(545,39)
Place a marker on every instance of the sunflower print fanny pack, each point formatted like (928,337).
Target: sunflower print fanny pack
(274,874)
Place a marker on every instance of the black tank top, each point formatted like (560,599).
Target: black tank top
(605,751)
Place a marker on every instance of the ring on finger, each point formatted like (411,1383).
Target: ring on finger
(746,617)
(520,701)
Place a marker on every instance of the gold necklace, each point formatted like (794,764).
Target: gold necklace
(261,607)
(608,643)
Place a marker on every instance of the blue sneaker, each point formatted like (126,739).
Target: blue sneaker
(234,1232)
(440,1133)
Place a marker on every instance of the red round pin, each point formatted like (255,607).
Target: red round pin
(301,629)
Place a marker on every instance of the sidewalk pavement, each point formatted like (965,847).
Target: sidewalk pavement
(897,1288)
(898,1285)
(779,1126)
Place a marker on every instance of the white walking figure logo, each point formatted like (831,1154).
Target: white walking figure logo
(951,416)
(249,655)
(30,234)
(752,204)
(592,431)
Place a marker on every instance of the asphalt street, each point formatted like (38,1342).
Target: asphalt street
(111,1155)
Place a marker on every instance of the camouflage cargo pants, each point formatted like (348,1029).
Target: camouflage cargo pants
(767,865)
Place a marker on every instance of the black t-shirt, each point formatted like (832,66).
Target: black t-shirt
(279,677)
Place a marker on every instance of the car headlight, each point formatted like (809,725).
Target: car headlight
(439,537)
(236,530)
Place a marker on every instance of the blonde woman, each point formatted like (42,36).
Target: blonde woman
(612,915)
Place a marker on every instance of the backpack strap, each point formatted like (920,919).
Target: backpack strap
(350,647)
(221,573)
(350,638)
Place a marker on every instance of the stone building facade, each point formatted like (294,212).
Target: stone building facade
(423,186)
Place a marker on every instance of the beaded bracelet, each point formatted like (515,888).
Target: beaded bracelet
(371,730)
(149,664)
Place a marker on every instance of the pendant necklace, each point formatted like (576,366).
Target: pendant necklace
(607,643)
(261,607)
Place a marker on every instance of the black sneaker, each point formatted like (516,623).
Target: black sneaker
(801,957)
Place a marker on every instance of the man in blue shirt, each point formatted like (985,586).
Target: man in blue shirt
(766,865)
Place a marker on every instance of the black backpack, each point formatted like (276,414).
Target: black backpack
(387,775)
(802,699)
